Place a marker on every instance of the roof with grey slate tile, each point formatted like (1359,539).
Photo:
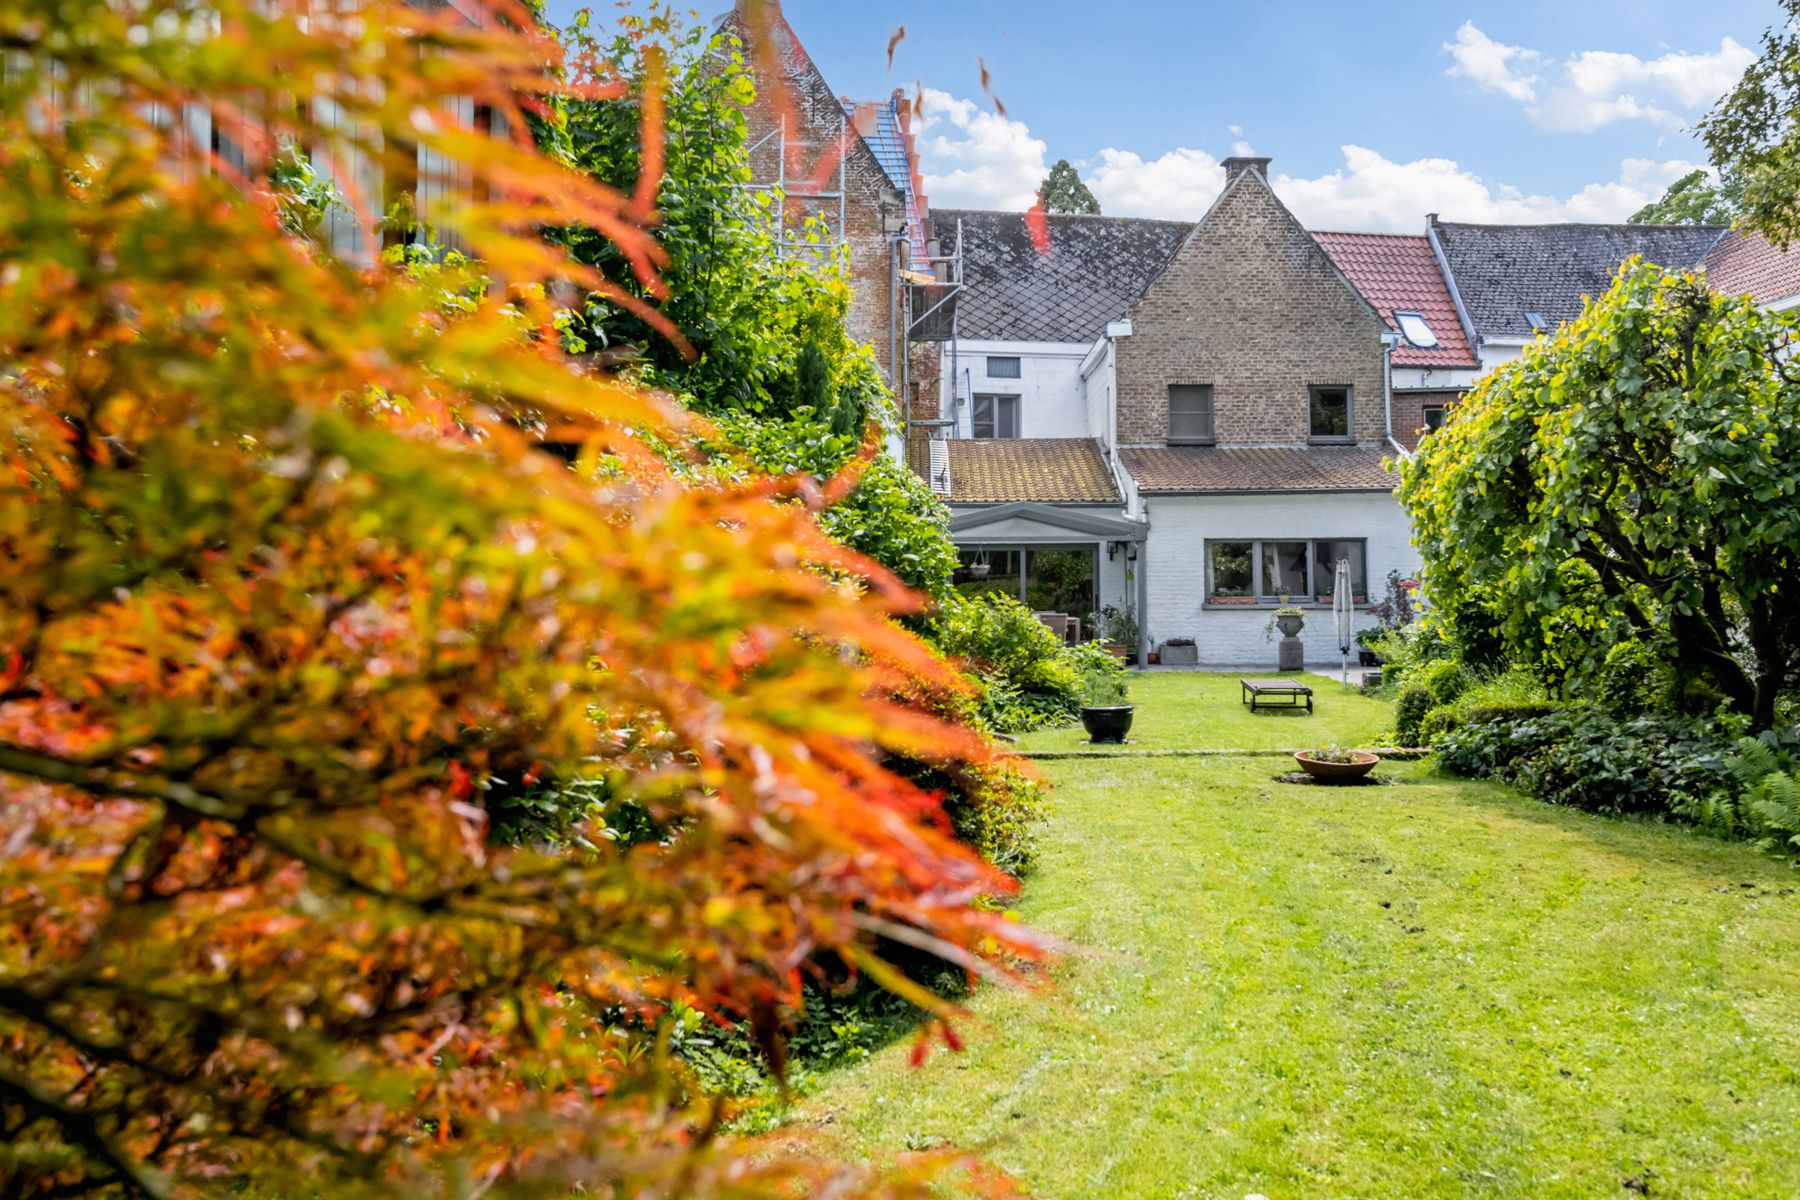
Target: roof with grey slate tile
(1503,272)
(1258,469)
(1096,268)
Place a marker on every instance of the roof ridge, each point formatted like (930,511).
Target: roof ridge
(1416,237)
(1008,212)
(1697,226)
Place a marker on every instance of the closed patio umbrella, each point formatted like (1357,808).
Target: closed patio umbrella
(1343,611)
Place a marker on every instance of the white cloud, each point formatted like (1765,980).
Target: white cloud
(1598,87)
(1371,192)
(1182,183)
(1491,65)
(972,157)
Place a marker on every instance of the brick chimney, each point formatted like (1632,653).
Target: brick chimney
(1238,164)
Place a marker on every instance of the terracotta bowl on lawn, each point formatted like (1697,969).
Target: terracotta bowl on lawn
(1334,772)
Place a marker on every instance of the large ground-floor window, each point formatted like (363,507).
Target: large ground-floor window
(1302,569)
(1047,578)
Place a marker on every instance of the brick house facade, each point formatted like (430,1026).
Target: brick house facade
(1251,305)
(816,147)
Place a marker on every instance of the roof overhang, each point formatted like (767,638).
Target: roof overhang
(1055,516)
(1153,493)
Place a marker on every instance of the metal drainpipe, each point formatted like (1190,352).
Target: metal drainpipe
(955,358)
(893,329)
(1387,395)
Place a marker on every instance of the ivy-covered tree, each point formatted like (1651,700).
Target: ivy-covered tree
(1063,191)
(773,360)
(1753,133)
(1636,476)
(1697,198)
(290,589)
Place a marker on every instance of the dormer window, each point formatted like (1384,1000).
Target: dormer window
(1536,321)
(1416,331)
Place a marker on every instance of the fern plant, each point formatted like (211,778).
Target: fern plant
(1770,798)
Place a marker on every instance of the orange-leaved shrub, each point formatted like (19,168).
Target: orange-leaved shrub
(287,583)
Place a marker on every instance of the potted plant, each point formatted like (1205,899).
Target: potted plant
(1289,618)
(1117,631)
(1330,764)
(1105,714)
(1367,641)
(1178,652)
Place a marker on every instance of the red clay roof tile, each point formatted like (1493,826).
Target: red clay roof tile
(1397,272)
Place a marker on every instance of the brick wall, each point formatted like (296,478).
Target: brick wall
(1409,413)
(819,139)
(1251,305)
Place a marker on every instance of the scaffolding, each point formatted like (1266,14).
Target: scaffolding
(778,135)
(934,287)
(927,286)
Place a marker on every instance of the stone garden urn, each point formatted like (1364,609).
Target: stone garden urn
(1291,651)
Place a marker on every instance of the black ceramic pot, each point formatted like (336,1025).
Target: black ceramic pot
(1109,725)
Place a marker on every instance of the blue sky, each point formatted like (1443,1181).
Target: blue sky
(1530,110)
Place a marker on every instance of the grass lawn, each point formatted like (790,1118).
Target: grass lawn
(1189,710)
(1434,988)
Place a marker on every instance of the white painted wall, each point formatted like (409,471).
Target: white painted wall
(1052,403)
(1433,379)
(1180,525)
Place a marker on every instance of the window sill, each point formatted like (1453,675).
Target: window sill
(1193,441)
(1331,441)
(1272,605)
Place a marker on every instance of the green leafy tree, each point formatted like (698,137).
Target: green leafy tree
(1753,133)
(1697,198)
(1637,476)
(1063,192)
(773,362)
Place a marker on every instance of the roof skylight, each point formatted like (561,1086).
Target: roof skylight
(1417,332)
(1536,321)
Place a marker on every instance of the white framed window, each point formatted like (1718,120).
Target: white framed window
(994,416)
(1003,367)
(1261,571)
(1415,329)
(1329,414)
(1190,414)
(1433,416)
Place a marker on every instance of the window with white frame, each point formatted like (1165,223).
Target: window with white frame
(1190,414)
(1253,571)
(993,416)
(1415,329)
(1003,367)
(1433,416)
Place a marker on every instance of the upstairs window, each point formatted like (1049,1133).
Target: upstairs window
(1415,330)
(1330,414)
(994,417)
(1434,416)
(1190,414)
(1003,368)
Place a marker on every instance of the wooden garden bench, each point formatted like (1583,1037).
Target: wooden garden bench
(1260,693)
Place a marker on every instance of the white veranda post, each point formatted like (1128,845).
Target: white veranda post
(1343,611)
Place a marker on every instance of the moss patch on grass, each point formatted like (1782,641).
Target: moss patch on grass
(1435,988)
